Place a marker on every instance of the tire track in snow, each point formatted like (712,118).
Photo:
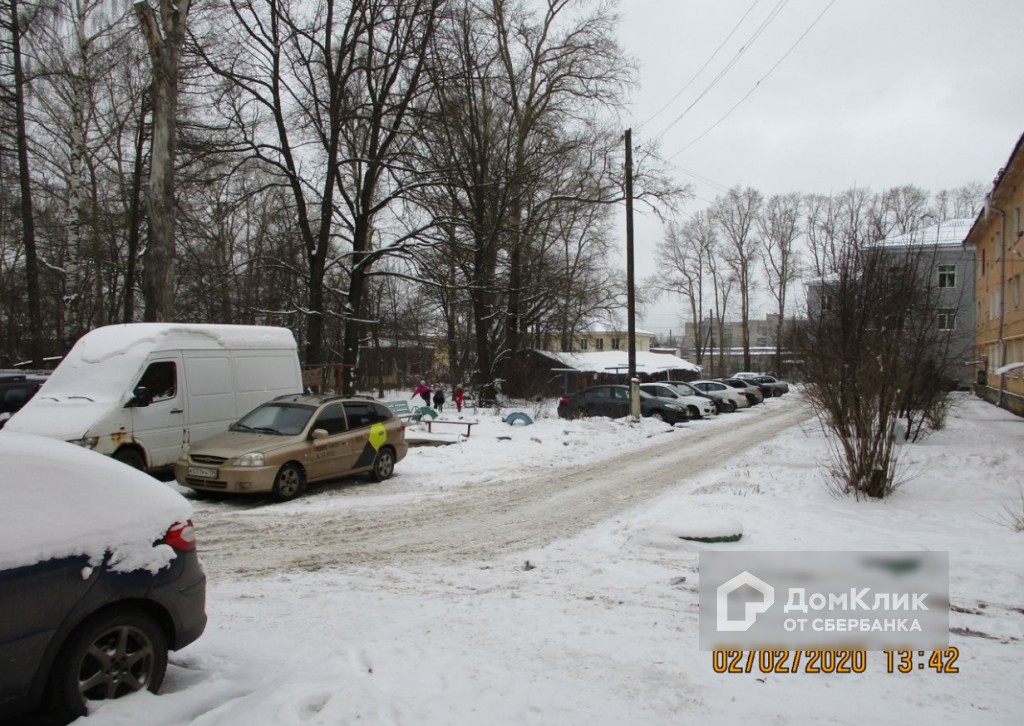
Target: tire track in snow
(470,523)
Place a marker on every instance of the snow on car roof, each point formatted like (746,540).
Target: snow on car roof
(60,500)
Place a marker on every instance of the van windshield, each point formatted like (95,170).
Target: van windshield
(282,419)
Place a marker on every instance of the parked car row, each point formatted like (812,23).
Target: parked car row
(99,576)
(674,401)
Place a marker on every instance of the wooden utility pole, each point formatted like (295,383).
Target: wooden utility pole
(634,407)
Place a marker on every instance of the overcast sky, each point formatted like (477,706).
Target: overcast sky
(874,94)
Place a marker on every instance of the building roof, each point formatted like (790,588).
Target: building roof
(947,233)
(1013,169)
(617,361)
(602,329)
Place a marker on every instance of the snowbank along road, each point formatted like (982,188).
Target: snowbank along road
(361,525)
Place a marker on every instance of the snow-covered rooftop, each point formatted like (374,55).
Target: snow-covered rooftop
(617,361)
(603,329)
(948,232)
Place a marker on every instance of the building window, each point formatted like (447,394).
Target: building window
(583,343)
(599,344)
(947,275)
(1016,292)
(947,319)
(615,341)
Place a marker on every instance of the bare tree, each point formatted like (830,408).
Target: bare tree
(76,126)
(323,96)
(529,173)
(736,215)
(962,201)
(872,361)
(15,21)
(836,223)
(779,227)
(687,252)
(900,209)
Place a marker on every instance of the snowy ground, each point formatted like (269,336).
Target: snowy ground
(601,626)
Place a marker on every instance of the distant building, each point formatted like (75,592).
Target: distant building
(601,338)
(952,276)
(722,350)
(949,270)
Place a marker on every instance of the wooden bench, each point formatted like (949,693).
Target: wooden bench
(434,422)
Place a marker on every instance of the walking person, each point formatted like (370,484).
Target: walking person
(459,395)
(423,391)
(439,399)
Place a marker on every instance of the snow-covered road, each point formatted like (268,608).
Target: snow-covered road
(365,524)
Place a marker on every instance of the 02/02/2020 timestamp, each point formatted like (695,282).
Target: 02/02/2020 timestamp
(831,661)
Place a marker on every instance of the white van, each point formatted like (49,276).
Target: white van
(143,392)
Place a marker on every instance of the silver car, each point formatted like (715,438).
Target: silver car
(696,406)
(729,398)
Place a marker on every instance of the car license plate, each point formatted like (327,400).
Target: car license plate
(205,473)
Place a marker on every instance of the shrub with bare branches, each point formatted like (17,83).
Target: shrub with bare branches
(876,361)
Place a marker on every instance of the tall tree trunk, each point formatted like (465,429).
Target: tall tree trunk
(76,185)
(28,225)
(165,53)
(134,221)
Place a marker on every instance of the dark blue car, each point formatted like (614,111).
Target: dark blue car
(99,579)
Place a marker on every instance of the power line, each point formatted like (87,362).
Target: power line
(732,62)
(701,70)
(756,85)
(702,179)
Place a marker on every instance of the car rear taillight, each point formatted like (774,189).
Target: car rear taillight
(182,537)
(563,399)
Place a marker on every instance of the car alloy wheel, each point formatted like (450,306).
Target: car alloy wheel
(289,483)
(115,653)
(383,465)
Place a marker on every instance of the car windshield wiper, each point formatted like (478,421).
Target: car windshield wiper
(239,427)
(85,397)
(266,430)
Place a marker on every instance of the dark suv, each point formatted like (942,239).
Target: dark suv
(15,391)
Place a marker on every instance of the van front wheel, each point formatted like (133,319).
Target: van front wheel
(289,483)
(132,458)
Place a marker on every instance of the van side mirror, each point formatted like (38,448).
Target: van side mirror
(141,397)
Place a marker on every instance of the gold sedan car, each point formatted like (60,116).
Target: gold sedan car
(285,443)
